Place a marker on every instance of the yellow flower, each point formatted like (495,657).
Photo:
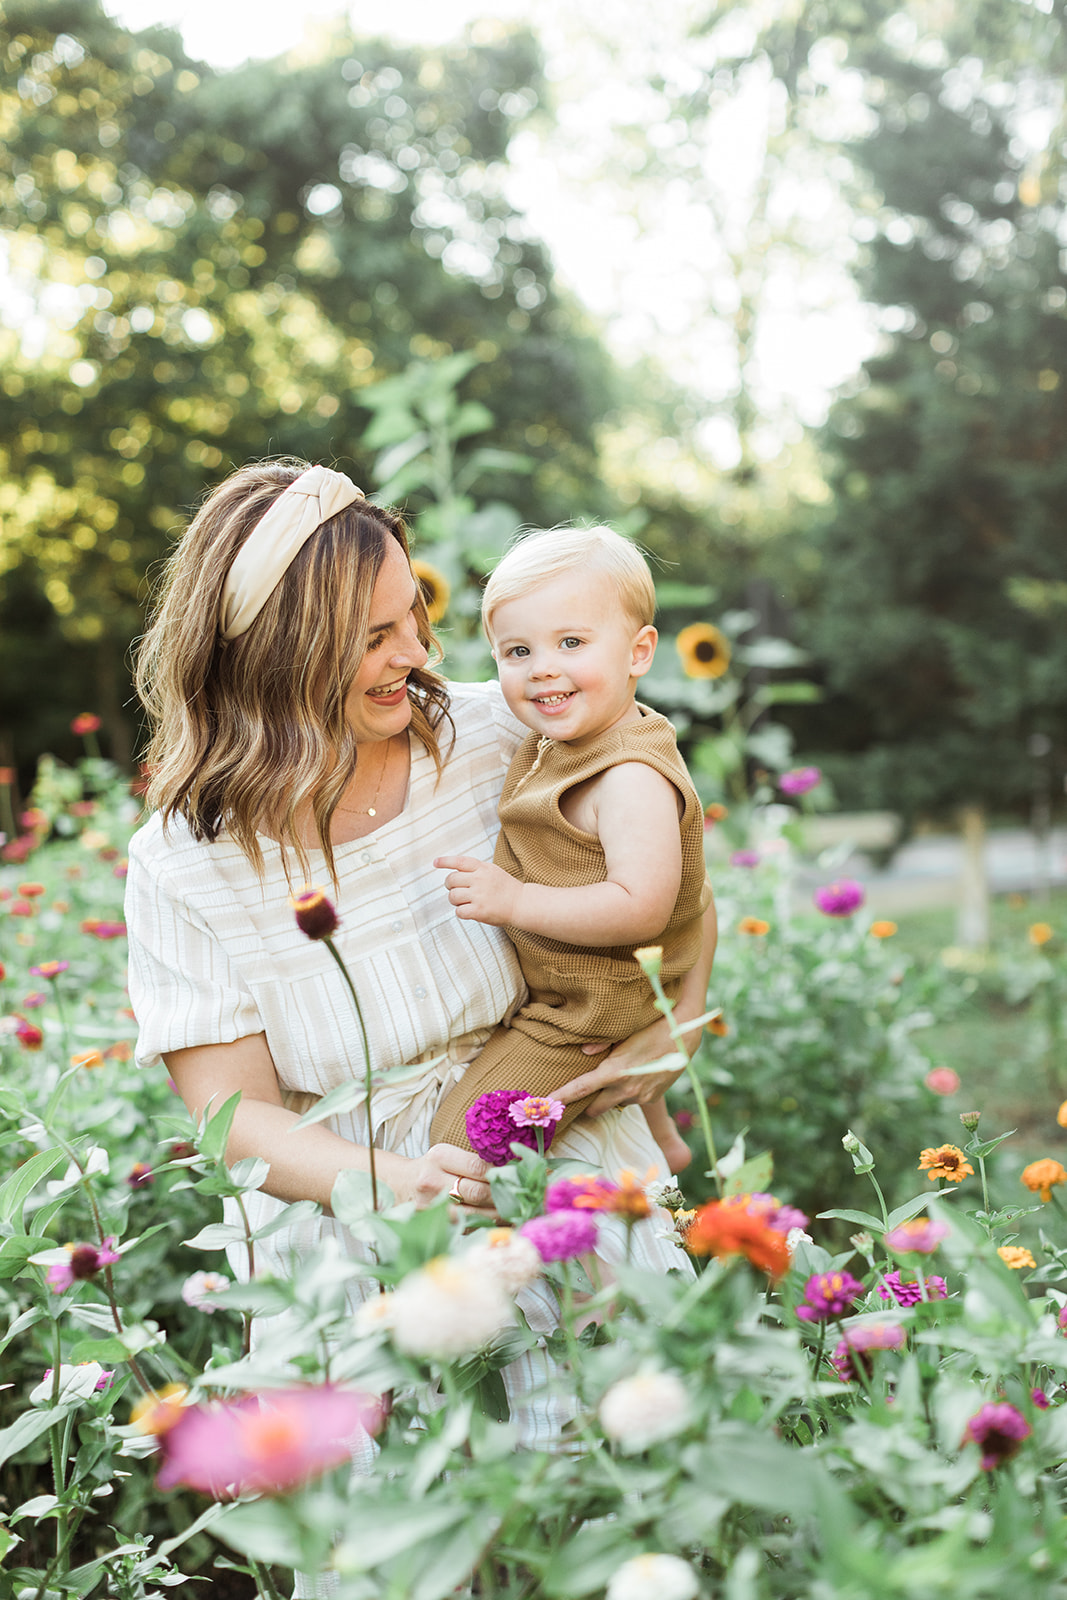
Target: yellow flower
(1040,1176)
(704,651)
(436,590)
(719,1027)
(882,930)
(651,959)
(753,925)
(1061,1115)
(87,1058)
(1014,1256)
(158,1411)
(1040,933)
(946,1161)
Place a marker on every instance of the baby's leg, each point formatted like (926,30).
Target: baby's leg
(661,1125)
(511,1059)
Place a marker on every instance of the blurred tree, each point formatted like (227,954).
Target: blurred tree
(938,598)
(203,268)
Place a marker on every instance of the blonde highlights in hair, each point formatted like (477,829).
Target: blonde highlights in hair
(545,555)
(251,735)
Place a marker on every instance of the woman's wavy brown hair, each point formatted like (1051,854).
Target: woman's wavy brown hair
(246,734)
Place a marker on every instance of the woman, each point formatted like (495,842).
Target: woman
(299,736)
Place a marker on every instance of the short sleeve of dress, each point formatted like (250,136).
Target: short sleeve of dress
(184,989)
(509,730)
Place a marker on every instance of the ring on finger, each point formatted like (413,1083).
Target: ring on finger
(454,1194)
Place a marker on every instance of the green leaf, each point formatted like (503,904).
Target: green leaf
(345,1097)
(586,1562)
(263,1529)
(298,1211)
(862,1218)
(376,1533)
(351,1198)
(212,1142)
(793,694)
(14,1193)
(446,1565)
(216,1236)
(753,1176)
(912,1207)
(29,1427)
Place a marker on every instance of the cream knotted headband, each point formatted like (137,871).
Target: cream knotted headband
(277,538)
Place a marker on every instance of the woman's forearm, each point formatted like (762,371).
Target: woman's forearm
(305,1162)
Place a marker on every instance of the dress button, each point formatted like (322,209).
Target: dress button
(420,992)
(365,857)
(397,925)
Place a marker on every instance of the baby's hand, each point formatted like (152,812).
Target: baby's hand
(480,891)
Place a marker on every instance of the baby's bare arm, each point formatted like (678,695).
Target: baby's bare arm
(635,810)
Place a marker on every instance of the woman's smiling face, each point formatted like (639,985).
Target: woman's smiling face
(377,706)
(569,656)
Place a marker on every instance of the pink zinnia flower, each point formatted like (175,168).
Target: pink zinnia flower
(264,1444)
(28,1034)
(942,1080)
(536,1111)
(103,930)
(783,1219)
(492,1130)
(800,780)
(840,899)
(562,1235)
(84,1261)
(85,722)
(745,858)
(998,1430)
(30,1002)
(50,969)
(910,1293)
(857,1344)
(828,1294)
(1040,1399)
(1061,1319)
(921,1236)
(581,1194)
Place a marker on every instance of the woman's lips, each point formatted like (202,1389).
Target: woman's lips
(389,697)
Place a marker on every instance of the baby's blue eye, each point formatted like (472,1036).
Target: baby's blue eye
(570,643)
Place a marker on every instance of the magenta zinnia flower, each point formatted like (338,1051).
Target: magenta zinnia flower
(800,780)
(745,858)
(828,1294)
(840,899)
(581,1194)
(1061,1319)
(781,1218)
(561,1235)
(264,1444)
(857,1344)
(492,1130)
(998,1430)
(909,1293)
(535,1111)
(921,1236)
(1040,1399)
(84,1261)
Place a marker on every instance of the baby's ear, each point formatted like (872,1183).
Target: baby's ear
(643,650)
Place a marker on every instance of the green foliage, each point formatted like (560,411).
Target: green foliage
(935,603)
(223,265)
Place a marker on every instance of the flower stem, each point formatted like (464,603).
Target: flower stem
(881,1201)
(332,948)
(666,1006)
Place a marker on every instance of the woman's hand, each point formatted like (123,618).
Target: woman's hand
(611,1077)
(444,1169)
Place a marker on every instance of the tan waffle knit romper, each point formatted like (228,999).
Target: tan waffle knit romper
(577,993)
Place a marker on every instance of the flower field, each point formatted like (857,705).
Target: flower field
(853,1385)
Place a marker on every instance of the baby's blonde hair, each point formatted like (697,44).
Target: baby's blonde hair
(542,556)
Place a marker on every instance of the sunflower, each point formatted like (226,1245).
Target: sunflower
(436,590)
(705,652)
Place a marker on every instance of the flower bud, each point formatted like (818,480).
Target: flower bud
(970,1119)
(850,1143)
(651,959)
(315,915)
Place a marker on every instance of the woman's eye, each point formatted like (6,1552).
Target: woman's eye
(376,643)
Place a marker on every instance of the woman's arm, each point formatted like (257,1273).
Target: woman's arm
(305,1163)
(609,1076)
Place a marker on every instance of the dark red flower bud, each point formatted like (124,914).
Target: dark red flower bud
(84,1261)
(315,916)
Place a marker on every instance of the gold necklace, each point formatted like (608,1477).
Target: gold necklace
(369,811)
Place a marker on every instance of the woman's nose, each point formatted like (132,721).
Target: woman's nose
(411,652)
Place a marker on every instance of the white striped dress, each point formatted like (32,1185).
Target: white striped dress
(215,955)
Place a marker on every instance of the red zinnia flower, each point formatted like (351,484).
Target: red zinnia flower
(85,723)
(315,915)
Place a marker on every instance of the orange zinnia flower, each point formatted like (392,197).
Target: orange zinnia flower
(882,930)
(1016,1257)
(754,925)
(1040,1176)
(723,1230)
(630,1200)
(1040,933)
(946,1161)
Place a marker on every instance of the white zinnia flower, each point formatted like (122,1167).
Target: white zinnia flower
(374,1314)
(448,1309)
(508,1256)
(199,1286)
(650,1406)
(653,1577)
